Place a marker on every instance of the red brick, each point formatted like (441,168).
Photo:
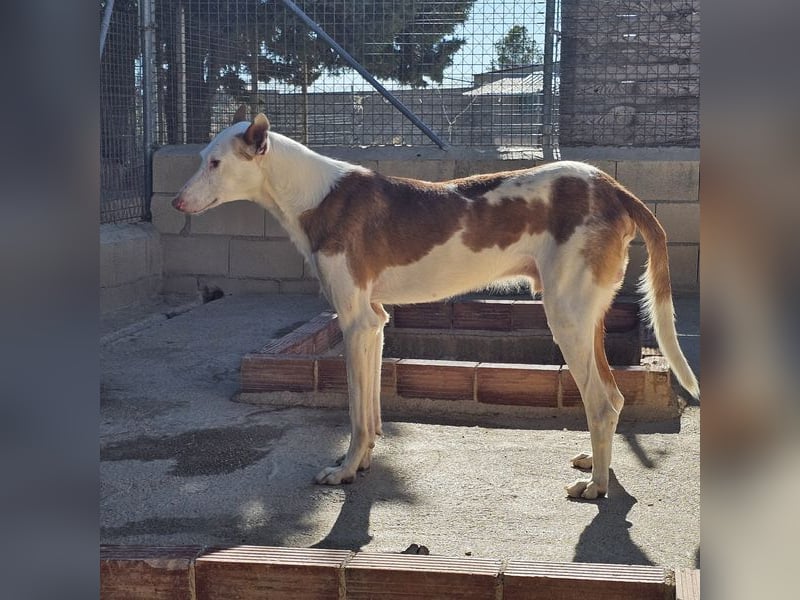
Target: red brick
(369,576)
(331,374)
(554,581)
(147,572)
(631,381)
(438,315)
(439,379)
(622,316)
(521,385)
(389,376)
(256,572)
(528,314)
(271,373)
(491,315)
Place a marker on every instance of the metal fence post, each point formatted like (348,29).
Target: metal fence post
(148,29)
(547,80)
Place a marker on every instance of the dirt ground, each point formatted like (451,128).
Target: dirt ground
(183,464)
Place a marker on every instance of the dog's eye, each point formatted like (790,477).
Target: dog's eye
(213,163)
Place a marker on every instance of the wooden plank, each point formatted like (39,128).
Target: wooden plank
(436,379)
(565,581)
(371,576)
(257,572)
(519,385)
(147,572)
(687,584)
(273,373)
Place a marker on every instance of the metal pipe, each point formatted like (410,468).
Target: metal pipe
(547,80)
(148,88)
(104,25)
(365,74)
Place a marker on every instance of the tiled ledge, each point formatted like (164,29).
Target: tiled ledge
(245,572)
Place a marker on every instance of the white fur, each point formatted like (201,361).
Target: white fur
(289,179)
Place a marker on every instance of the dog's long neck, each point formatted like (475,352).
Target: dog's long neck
(297,179)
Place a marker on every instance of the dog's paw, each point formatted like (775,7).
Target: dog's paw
(334,476)
(582,461)
(588,490)
(365,463)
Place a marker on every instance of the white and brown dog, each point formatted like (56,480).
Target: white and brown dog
(564,227)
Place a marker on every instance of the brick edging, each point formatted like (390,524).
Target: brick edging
(202,573)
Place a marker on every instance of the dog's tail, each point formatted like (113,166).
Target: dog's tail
(657,290)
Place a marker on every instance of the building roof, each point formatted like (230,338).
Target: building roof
(510,86)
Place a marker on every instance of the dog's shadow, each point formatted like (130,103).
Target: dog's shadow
(607,538)
(351,531)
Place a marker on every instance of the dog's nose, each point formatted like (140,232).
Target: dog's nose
(179,203)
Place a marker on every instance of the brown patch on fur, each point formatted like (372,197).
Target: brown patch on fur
(569,205)
(610,230)
(655,238)
(503,223)
(600,357)
(478,185)
(381,222)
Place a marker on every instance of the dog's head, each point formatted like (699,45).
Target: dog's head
(230,167)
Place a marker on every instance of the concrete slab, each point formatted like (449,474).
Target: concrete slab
(182,464)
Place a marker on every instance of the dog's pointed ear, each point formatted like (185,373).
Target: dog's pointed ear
(240,114)
(256,134)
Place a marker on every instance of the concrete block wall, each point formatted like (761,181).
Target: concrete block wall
(240,248)
(130,265)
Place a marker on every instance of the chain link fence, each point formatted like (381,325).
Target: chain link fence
(477,73)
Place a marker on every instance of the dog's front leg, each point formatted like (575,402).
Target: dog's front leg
(359,341)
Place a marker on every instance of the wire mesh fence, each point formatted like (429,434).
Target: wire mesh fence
(478,73)
(122,156)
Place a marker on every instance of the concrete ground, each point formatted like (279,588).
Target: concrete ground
(183,464)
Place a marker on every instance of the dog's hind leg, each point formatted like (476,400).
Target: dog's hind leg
(576,320)
(361,327)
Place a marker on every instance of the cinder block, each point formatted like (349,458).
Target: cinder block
(545,581)
(155,256)
(195,255)
(680,220)
(272,228)
(147,573)
(165,218)
(256,572)
(275,373)
(369,576)
(173,166)
(180,284)
(127,294)
(674,181)
(466,168)
(233,218)
(515,384)
(265,259)
(683,261)
(232,285)
(438,379)
(429,170)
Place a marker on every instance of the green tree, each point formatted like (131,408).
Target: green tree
(517,48)
(235,44)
